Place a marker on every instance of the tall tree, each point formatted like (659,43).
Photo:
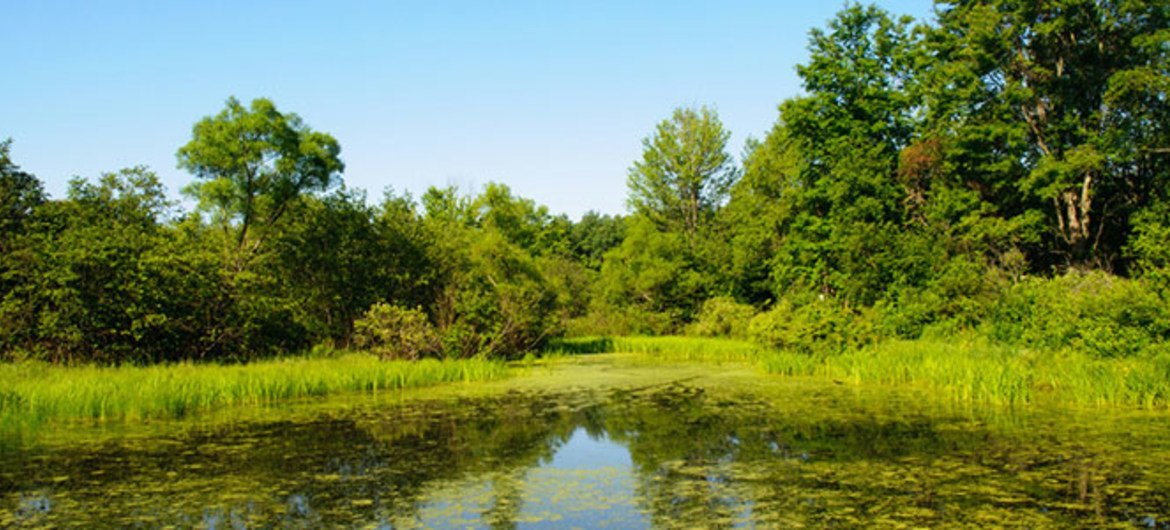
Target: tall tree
(685,171)
(1064,101)
(20,194)
(254,162)
(847,212)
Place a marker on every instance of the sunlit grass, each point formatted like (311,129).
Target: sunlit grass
(981,372)
(666,349)
(31,392)
(960,369)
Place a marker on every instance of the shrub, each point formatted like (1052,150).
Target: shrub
(722,316)
(1093,313)
(610,320)
(393,332)
(820,327)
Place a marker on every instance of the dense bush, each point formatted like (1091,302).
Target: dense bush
(722,316)
(394,332)
(819,327)
(619,320)
(1090,312)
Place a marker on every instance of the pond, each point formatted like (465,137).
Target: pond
(603,441)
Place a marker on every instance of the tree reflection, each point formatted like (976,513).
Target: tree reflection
(706,457)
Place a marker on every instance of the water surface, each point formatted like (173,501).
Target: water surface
(597,442)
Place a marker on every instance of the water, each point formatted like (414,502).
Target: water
(603,443)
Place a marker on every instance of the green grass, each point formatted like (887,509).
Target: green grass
(34,392)
(959,369)
(981,372)
(665,349)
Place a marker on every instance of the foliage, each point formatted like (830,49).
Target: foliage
(255,162)
(494,298)
(722,316)
(685,171)
(1000,170)
(20,194)
(820,327)
(393,332)
(1091,313)
(606,319)
(1150,245)
(42,392)
(80,293)
(1059,100)
(654,272)
(594,235)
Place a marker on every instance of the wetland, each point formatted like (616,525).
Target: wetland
(597,441)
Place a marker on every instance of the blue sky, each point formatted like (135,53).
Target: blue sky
(551,98)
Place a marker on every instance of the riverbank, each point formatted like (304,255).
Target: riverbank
(959,369)
(34,392)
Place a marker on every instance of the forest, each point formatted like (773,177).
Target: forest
(999,174)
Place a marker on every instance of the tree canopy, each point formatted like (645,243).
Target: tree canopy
(685,171)
(1002,169)
(255,161)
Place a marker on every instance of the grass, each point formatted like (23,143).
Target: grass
(665,349)
(34,392)
(961,370)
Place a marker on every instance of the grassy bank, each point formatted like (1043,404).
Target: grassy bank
(33,392)
(969,371)
(666,349)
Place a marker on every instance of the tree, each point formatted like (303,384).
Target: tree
(1064,101)
(654,272)
(20,194)
(255,162)
(83,294)
(835,152)
(594,235)
(685,171)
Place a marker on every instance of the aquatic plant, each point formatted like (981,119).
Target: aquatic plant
(39,391)
(665,348)
(966,369)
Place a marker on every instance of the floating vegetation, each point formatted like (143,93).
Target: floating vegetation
(663,447)
(959,370)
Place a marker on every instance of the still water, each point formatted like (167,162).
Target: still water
(602,442)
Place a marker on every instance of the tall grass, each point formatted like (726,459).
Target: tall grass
(960,369)
(981,372)
(31,392)
(667,348)
(963,372)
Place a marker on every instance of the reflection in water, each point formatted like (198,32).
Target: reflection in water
(704,452)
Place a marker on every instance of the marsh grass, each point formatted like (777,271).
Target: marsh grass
(33,392)
(665,349)
(960,369)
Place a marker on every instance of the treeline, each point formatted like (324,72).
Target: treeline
(1001,170)
(114,273)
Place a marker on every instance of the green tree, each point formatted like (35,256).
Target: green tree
(654,272)
(521,221)
(20,194)
(685,172)
(254,163)
(594,235)
(1064,101)
(761,204)
(845,214)
(82,295)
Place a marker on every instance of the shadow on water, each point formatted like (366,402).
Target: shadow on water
(682,453)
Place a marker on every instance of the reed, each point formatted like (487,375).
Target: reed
(33,392)
(665,349)
(960,369)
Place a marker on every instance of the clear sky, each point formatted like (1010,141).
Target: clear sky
(549,97)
